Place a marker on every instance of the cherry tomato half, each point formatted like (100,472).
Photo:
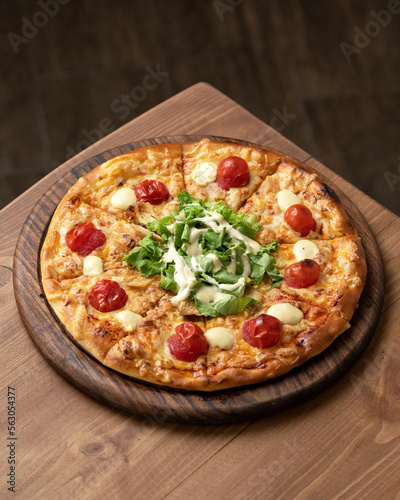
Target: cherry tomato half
(84,238)
(263,331)
(151,191)
(232,172)
(302,274)
(300,219)
(188,343)
(107,295)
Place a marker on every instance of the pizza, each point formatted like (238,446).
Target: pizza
(202,266)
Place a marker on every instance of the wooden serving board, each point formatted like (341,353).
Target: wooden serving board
(163,404)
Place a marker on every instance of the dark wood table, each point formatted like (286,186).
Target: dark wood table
(345,443)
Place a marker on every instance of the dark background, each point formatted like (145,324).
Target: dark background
(282,60)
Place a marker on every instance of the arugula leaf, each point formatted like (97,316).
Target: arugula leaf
(151,246)
(240,220)
(184,199)
(186,233)
(176,229)
(160,226)
(213,240)
(272,247)
(223,276)
(262,263)
(146,257)
(247,231)
(207,264)
(230,305)
(167,280)
(253,223)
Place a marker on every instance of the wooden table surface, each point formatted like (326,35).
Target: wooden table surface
(345,443)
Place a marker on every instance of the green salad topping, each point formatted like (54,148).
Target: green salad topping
(208,252)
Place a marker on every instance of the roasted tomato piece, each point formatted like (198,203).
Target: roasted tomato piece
(188,343)
(263,331)
(302,274)
(107,295)
(151,191)
(232,172)
(300,219)
(84,238)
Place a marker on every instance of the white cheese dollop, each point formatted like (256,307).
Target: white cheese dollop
(123,198)
(204,173)
(305,249)
(286,198)
(288,314)
(92,266)
(128,319)
(220,337)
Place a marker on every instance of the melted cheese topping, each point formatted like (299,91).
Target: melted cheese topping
(204,173)
(123,198)
(305,249)
(220,337)
(92,266)
(288,314)
(128,319)
(286,198)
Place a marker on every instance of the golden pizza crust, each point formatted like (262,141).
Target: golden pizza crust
(159,162)
(261,163)
(97,331)
(341,280)
(142,353)
(148,356)
(59,262)
(331,219)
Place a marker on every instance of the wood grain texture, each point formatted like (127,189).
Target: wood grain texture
(344,443)
(143,399)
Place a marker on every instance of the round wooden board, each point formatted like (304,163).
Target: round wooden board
(149,401)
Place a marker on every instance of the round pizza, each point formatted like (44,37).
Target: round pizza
(202,266)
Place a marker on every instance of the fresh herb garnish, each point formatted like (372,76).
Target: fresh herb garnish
(206,250)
